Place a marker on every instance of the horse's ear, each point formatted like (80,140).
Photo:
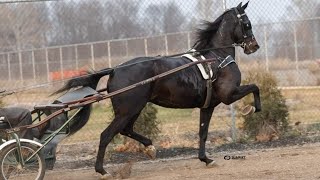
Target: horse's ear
(239,5)
(245,5)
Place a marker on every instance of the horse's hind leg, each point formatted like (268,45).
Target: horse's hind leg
(124,113)
(116,126)
(128,131)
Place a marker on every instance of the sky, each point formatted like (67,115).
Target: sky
(266,10)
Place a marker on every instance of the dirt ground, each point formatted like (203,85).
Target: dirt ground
(293,162)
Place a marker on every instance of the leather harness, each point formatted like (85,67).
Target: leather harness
(207,72)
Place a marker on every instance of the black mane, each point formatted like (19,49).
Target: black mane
(204,36)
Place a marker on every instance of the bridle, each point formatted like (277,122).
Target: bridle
(246,28)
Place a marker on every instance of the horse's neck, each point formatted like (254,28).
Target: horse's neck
(223,52)
(222,40)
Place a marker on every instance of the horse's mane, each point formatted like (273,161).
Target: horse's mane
(204,36)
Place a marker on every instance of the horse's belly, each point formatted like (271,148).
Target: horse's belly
(176,98)
(170,104)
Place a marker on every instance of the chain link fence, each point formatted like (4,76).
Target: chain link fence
(45,42)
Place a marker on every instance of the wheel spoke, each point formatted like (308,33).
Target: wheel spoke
(12,169)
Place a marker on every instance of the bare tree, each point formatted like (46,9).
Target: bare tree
(304,30)
(173,18)
(153,19)
(23,26)
(302,9)
(77,22)
(208,9)
(164,18)
(122,19)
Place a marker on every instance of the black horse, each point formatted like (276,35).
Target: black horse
(185,89)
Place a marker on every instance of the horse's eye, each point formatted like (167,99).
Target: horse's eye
(247,26)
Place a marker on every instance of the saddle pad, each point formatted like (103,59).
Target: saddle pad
(200,66)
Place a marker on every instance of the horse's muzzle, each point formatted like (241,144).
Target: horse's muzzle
(250,46)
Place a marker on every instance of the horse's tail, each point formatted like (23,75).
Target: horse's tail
(80,119)
(90,79)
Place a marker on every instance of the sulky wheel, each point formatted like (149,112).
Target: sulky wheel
(11,168)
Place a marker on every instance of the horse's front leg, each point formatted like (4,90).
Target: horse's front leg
(205,117)
(242,91)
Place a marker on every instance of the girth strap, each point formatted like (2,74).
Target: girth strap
(225,62)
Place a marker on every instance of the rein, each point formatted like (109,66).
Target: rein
(175,55)
(4,93)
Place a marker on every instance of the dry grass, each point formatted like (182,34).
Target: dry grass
(303,105)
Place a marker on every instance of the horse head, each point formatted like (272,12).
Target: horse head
(232,27)
(243,34)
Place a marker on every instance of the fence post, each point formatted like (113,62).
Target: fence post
(33,65)
(266,47)
(76,56)
(20,65)
(232,110)
(47,65)
(92,57)
(296,52)
(224,4)
(61,63)
(189,40)
(127,48)
(146,47)
(9,67)
(109,54)
(166,44)
(233,126)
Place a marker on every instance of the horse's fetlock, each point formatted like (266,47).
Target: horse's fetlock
(203,158)
(101,171)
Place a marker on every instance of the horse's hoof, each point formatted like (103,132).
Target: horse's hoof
(247,110)
(150,151)
(212,164)
(106,176)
